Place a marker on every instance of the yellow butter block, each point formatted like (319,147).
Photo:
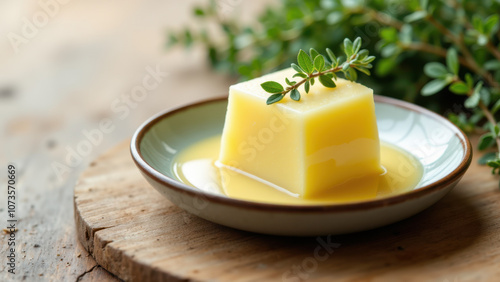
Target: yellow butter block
(327,138)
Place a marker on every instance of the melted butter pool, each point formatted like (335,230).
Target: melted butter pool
(196,166)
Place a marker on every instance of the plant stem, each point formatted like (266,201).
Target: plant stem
(469,59)
(493,50)
(312,75)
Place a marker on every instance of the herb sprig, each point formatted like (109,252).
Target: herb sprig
(314,65)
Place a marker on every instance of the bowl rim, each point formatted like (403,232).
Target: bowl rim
(177,186)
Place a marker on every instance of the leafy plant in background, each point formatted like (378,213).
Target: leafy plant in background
(449,48)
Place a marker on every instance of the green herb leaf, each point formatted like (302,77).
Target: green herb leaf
(452,61)
(469,80)
(495,107)
(306,86)
(272,87)
(295,95)
(459,87)
(313,53)
(300,74)
(389,34)
(418,15)
(327,81)
(435,70)
(364,70)
(486,158)
(424,4)
(351,74)
(199,11)
(319,63)
(356,45)
(348,48)
(274,98)
(305,62)
(362,55)
(485,141)
(490,24)
(472,101)
(405,34)
(433,87)
(332,56)
(291,83)
(297,68)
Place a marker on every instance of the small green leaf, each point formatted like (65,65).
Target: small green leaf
(389,34)
(363,70)
(348,48)
(452,61)
(385,66)
(345,66)
(496,107)
(291,83)
(485,96)
(272,87)
(469,80)
(459,87)
(418,15)
(199,12)
(305,62)
(313,53)
(331,56)
(369,59)
(492,65)
(351,74)
(274,98)
(297,68)
(486,158)
(433,87)
(295,95)
(300,74)
(327,81)
(405,34)
(435,70)
(491,24)
(356,45)
(319,63)
(472,101)
(424,4)
(362,54)
(312,81)
(306,86)
(389,50)
(485,141)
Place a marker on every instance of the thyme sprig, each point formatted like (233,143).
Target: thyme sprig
(314,65)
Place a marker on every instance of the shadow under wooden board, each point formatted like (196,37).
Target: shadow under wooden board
(138,235)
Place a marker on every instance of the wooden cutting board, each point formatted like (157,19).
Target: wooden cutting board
(138,235)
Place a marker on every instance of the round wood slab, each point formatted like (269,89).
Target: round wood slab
(138,235)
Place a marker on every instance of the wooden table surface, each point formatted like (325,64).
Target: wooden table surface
(68,74)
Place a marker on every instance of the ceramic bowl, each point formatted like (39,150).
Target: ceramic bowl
(442,148)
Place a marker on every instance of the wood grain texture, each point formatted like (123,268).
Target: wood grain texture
(140,236)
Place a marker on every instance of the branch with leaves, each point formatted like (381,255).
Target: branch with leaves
(314,65)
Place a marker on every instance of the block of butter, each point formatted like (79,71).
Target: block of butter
(306,147)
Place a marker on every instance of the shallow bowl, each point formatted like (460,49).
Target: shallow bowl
(443,150)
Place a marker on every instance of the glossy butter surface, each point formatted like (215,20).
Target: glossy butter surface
(326,139)
(196,166)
